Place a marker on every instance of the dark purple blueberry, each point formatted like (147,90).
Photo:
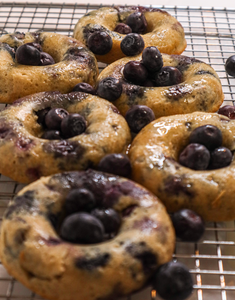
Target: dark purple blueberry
(189,226)
(168,76)
(138,116)
(135,72)
(109,88)
(115,163)
(51,135)
(208,135)
(84,87)
(173,281)
(137,22)
(220,158)
(109,218)
(54,118)
(230,65)
(123,28)
(82,228)
(149,83)
(195,156)
(41,115)
(228,111)
(99,42)
(28,55)
(132,44)
(46,59)
(79,200)
(72,125)
(152,59)
(36,45)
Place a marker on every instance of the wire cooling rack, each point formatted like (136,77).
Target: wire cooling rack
(210,35)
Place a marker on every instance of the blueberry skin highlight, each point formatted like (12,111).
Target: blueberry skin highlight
(135,72)
(109,88)
(54,118)
(72,125)
(123,28)
(230,65)
(100,42)
(132,44)
(220,158)
(152,59)
(137,22)
(228,111)
(28,55)
(168,76)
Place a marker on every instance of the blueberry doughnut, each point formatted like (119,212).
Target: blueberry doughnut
(162,30)
(154,156)
(200,89)
(32,155)
(33,251)
(74,63)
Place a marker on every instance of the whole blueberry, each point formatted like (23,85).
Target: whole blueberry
(84,87)
(100,42)
(138,116)
(41,115)
(195,156)
(168,76)
(54,118)
(220,158)
(109,88)
(123,28)
(132,44)
(51,135)
(228,111)
(189,226)
(152,59)
(82,228)
(46,59)
(79,199)
(115,163)
(137,22)
(28,55)
(110,219)
(208,135)
(230,65)
(173,281)
(135,72)
(72,125)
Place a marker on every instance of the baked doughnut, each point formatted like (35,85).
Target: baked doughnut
(163,30)
(74,64)
(27,156)
(33,252)
(154,157)
(200,90)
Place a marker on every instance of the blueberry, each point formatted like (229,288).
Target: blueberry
(137,22)
(208,135)
(228,111)
(36,45)
(84,87)
(132,44)
(115,163)
(28,55)
(220,157)
(46,59)
(79,199)
(149,83)
(230,65)
(173,281)
(195,156)
(72,125)
(168,76)
(99,42)
(82,228)
(54,118)
(51,135)
(135,72)
(189,226)
(123,28)
(152,59)
(109,218)
(109,88)
(41,115)
(138,116)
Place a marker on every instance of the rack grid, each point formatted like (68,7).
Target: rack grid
(210,34)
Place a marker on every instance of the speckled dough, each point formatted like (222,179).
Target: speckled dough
(34,254)
(200,90)
(154,156)
(163,30)
(27,156)
(74,64)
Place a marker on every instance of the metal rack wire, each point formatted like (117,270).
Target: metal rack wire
(210,35)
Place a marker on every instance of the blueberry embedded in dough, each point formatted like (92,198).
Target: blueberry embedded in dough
(90,264)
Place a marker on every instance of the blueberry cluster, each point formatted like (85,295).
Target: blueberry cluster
(135,22)
(205,150)
(33,55)
(59,124)
(85,221)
